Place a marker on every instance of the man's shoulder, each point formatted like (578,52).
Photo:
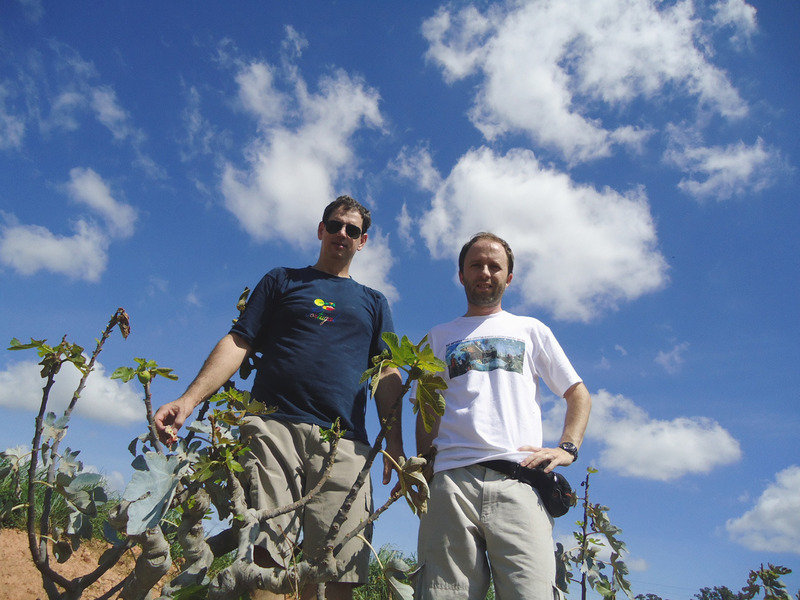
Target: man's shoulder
(502,321)
(372,294)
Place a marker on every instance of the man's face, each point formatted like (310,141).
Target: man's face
(485,275)
(339,245)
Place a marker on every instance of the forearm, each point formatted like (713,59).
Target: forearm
(579,405)
(224,360)
(387,395)
(425,438)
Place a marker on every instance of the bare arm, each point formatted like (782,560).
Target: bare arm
(424,438)
(219,367)
(579,405)
(386,395)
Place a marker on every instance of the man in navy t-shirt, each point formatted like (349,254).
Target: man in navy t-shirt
(316,330)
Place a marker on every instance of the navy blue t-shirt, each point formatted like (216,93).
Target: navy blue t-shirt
(317,333)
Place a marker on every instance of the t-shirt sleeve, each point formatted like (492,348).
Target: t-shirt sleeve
(554,366)
(384,323)
(251,322)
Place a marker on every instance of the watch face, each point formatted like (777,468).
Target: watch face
(571,448)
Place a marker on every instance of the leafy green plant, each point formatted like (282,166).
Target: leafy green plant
(59,474)
(595,534)
(764,580)
(387,576)
(173,489)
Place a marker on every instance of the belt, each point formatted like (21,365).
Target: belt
(513,470)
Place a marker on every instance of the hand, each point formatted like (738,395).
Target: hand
(549,458)
(395,450)
(169,419)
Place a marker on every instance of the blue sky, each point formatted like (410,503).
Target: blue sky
(640,157)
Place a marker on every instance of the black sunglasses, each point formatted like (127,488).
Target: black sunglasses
(332,226)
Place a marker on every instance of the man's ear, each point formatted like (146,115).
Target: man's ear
(510,277)
(461,277)
(320,229)
(363,241)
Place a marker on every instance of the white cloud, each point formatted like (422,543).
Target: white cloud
(12,126)
(578,250)
(546,67)
(102,399)
(738,15)
(31,248)
(88,188)
(300,155)
(258,94)
(417,166)
(404,225)
(636,445)
(200,132)
(672,360)
(773,524)
(457,40)
(60,95)
(723,172)
(107,110)
(372,263)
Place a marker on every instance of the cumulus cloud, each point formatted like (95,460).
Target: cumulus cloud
(108,111)
(302,152)
(673,359)
(88,188)
(546,67)
(29,249)
(636,445)
(739,16)
(103,399)
(580,250)
(723,172)
(417,165)
(372,264)
(773,524)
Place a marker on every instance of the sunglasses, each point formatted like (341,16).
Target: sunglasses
(332,226)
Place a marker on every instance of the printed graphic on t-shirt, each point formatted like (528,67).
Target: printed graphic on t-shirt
(485,354)
(324,311)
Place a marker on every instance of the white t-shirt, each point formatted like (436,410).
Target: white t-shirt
(493,403)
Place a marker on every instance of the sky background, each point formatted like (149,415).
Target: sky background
(640,157)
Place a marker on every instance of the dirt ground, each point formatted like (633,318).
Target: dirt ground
(19,579)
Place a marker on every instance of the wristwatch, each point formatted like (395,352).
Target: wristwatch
(571,448)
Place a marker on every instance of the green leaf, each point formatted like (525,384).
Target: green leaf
(151,489)
(123,373)
(430,401)
(395,573)
(413,484)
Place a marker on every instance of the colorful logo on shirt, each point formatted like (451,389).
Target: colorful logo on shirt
(324,312)
(485,354)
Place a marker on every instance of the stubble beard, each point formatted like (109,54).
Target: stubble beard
(485,299)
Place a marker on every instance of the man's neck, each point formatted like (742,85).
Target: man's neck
(482,311)
(336,270)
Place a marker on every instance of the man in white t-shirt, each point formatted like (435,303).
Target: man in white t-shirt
(481,521)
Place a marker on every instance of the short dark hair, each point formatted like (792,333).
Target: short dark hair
(485,235)
(348,204)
